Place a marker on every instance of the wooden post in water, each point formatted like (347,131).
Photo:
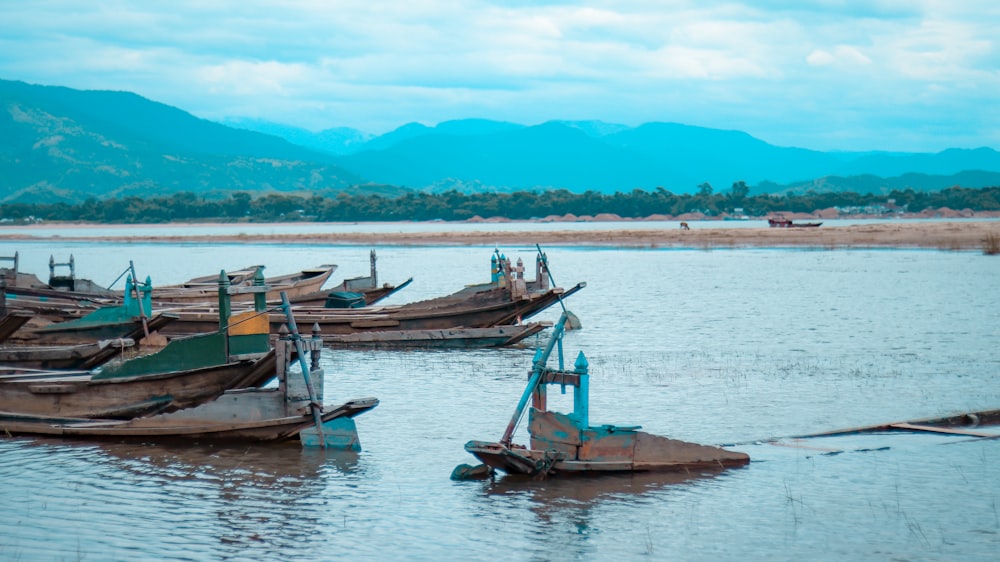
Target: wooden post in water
(317,408)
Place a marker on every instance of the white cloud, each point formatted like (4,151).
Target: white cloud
(842,55)
(817,73)
(241,78)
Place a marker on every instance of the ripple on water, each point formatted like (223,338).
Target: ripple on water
(728,346)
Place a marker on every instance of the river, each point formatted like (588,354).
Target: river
(725,346)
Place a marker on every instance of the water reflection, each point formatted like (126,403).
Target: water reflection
(579,490)
(569,514)
(257,465)
(228,498)
(709,347)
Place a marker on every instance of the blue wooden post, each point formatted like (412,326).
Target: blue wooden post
(147,296)
(581,394)
(129,295)
(138,302)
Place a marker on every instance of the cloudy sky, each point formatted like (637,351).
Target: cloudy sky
(920,75)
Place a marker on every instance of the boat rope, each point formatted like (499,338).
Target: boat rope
(544,465)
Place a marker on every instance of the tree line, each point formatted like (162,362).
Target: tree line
(520,205)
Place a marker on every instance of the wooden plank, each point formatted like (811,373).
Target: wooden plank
(247,290)
(375,323)
(973,419)
(248,323)
(801,446)
(949,431)
(53,388)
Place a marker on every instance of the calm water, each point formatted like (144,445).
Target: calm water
(725,346)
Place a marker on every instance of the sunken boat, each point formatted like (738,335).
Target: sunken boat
(563,444)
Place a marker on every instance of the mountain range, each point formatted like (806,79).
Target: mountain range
(60,144)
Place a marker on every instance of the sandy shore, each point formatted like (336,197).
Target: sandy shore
(950,235)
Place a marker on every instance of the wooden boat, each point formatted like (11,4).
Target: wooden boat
(212,421)
(291,410)
(462,338)
(367,286)
(52,309)
(509,301)
(971,425)
(70,283)
(564,444)
(14,277)
(201,290)
(90,394)
(963,423)
(59,286)
(338,297)
(131,319)
(483,309)
(11,321)
(186,372)
(782,222)
(79,357)
(66,290)
(93,328)
(24,292)
(354,292)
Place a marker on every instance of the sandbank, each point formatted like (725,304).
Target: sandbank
(958,234)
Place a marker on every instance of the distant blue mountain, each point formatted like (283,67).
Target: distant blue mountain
(60,144)
(550,155)
(338,140)
(870,183)
(608,157)
(946,162)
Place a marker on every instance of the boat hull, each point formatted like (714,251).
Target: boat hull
(81,394)
(306,282)
(453,338)
(247,427)
(76,333)
(83,356)
(670,455)
(477,311)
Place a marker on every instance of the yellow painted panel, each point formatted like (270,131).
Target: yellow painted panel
(248,323)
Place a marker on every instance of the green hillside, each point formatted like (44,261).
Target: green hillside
(59,144)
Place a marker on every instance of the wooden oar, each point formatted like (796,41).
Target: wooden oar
(317,408)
